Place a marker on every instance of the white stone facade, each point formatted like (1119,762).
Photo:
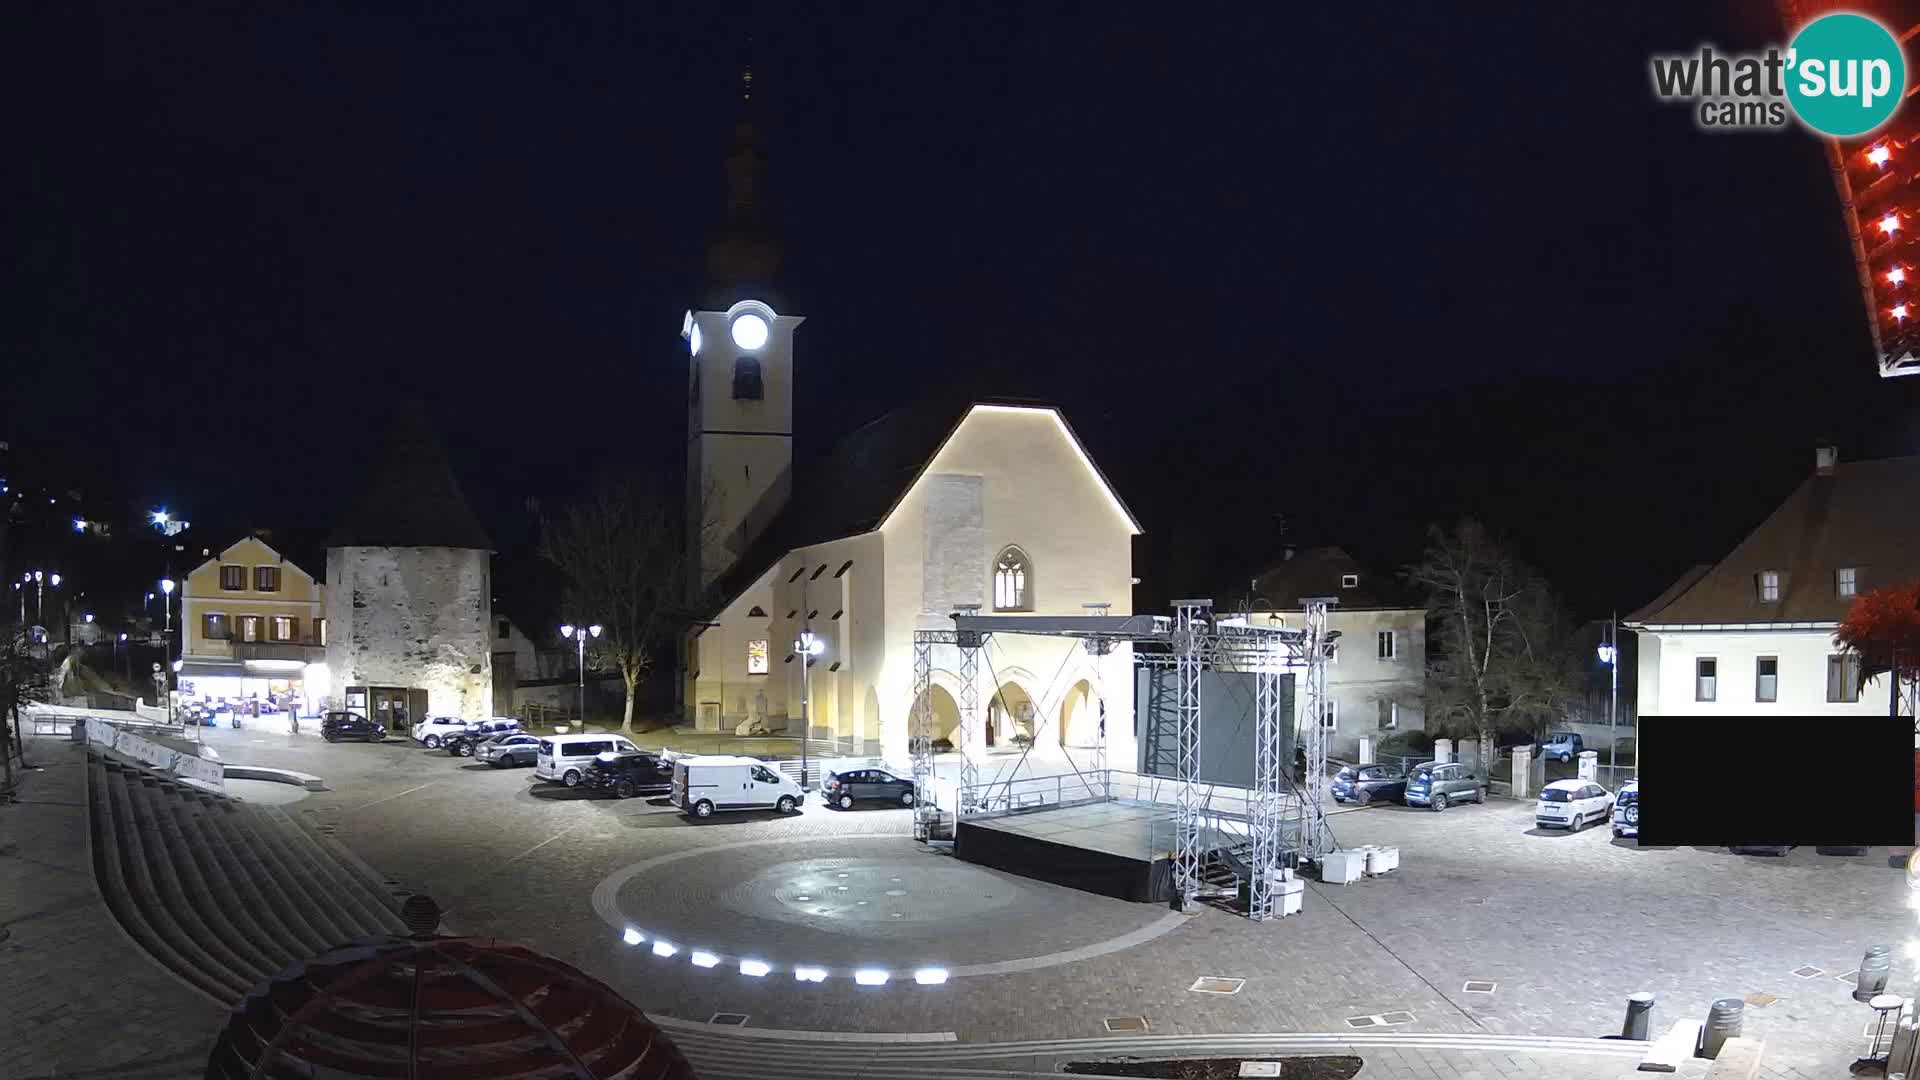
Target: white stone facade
(413,617)
(1669,666)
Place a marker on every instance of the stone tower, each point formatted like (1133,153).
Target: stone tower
(740,374)
(409,591)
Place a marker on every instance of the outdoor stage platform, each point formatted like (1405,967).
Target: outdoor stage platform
(1118,848)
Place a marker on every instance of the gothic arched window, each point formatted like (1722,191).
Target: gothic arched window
(1012,581)
(746,378)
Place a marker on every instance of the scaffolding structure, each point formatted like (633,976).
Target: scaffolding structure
(1283,821)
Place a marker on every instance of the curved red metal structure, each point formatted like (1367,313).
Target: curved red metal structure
(1878,177)
(437,1008)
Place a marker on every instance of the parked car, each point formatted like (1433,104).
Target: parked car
(843,789)
(1561,746)
(1369,783)
(627,775)
(508,751)
(703,785)
(347,725)
(1626,810)
(461,744)
(565,757)
(1438,785)
(1571,804)
(434,730)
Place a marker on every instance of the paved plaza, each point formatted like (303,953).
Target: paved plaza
(1563,926)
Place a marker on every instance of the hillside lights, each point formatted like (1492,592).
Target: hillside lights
(1879,155)
(1896,275)
(1890,224)
(1899,311)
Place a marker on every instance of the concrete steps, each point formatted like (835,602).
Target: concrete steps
(224,895)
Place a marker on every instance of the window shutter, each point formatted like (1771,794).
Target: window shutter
(293,628)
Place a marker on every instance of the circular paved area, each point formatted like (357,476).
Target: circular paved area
(864,902)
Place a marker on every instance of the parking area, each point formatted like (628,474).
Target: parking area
(1563,926)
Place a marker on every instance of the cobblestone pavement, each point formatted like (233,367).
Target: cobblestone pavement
(77,997)
(1566,926)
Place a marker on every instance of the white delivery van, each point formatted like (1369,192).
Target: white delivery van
(565,757)
(702,785)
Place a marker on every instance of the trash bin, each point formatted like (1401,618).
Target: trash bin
(1723,1023)
(1874,967)
(1639,1021)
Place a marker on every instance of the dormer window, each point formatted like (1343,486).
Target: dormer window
(1769,583)
(1846,582)
(746,378)
(1349,581)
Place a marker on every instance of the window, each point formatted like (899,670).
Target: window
(1330,715)
(1769,586)
(1349,581)
(1705,678)
(796,575)
(844,567)
(249,628)
(320,631)
(214,627)
(1012,581)
(233,578)
(1385,644)
(746,379)
(1843,677)
(501,630)
(758,612)
(817,573)
(282,628)
(1846,582)
(757,657)
(266,579)
(1766,685)
(1389,715)
(764,775)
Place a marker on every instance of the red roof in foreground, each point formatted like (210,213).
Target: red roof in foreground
(426,1008)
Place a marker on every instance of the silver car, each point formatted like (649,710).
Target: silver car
(1438,785)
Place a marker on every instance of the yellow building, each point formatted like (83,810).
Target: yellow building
(253,625)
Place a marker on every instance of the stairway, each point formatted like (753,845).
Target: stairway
(225,895)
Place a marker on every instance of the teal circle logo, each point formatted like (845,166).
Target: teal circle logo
(1845,74)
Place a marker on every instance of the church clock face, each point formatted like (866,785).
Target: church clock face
(749,331)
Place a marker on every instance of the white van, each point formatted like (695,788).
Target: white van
(702,785)
(565,757)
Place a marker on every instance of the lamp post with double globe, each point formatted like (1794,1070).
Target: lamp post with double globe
(1610,656)
(579,635)
(807,646)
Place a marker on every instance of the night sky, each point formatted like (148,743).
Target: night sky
(1358,270)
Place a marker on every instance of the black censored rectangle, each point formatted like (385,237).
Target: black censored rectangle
(1776,781)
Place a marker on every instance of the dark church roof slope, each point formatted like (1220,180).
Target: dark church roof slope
(853,489)
(1862,516)
(411,499)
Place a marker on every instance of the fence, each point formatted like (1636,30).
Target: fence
(178,762)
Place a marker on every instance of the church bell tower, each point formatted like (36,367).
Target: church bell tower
(740,375)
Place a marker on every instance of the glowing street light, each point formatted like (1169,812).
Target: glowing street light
(160,518)
(1897,275)
(79,525)
(1610,656)
(1890,223)
(1879,154)
(579,635)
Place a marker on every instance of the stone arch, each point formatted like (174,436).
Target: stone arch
(1012,710)
(1079,716)
(946,714)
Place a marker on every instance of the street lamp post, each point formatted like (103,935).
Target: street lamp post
(579,635)
(1610,656)
(807,647)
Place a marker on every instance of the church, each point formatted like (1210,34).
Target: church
(809,582)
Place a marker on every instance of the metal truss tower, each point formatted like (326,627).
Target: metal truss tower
(1315,839)
(1267,808)
(1193,648)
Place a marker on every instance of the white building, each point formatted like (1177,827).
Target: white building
(1377,667)
(921,513)
(1753,633)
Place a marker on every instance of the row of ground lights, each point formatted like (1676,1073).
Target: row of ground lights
(929,976)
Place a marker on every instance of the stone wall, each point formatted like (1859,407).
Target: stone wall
(416,618)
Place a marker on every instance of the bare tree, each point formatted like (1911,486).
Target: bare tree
(23,680)
(1503,659)
(622,551)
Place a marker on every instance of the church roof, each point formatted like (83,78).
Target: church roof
(1861,516)
(857,485)
(411,499)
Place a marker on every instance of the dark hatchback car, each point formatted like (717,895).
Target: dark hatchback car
(627,775)
(1369,783)
(843,789)
(345,725)
(464,743)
